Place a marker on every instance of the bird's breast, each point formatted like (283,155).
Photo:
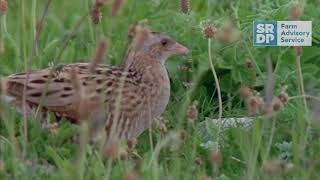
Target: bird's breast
(162,95)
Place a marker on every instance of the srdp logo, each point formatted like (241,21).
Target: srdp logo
(264,33)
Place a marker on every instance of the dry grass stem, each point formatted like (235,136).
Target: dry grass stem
(98,55)
(29,65)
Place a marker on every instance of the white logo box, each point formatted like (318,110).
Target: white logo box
(294,33)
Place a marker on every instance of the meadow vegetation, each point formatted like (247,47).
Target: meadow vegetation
(223,76)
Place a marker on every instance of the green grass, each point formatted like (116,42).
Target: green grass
(290,136)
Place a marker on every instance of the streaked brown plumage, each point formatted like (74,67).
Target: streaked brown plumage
(127,96)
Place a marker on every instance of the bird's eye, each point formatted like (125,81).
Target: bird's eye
(164,42)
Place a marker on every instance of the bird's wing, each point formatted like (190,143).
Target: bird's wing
(101,86)
(57,84)
(54,83)
(124,98)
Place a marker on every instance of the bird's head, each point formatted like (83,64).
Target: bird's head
(162,46)
(157,45)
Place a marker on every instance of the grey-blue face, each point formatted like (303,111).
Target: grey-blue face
(162,46)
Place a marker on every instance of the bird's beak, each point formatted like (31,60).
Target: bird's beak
(178,49)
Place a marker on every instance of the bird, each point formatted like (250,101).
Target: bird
(128,97)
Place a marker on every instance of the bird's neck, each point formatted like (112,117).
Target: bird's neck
(144,62)
(155,76)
